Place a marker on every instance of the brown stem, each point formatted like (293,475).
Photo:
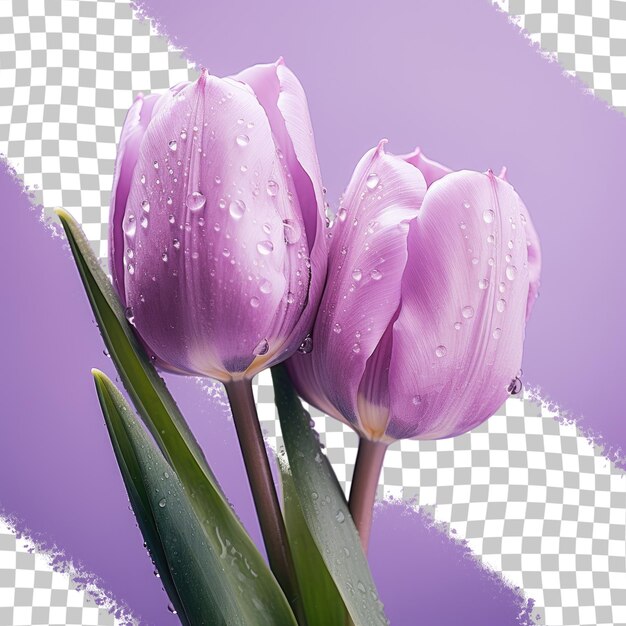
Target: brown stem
(369,462)
(264,492)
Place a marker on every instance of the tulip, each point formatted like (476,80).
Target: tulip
(432,275)
(217,244)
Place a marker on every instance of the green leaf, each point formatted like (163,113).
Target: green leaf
(324,507)
(322,603)
(173,437)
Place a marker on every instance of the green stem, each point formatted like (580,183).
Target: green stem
(369,463)
(264,492)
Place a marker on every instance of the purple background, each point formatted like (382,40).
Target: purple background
(454,77)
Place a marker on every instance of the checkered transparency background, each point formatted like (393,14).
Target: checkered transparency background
(534,499)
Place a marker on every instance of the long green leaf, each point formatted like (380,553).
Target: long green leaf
(173,437)
(324,507)
(322,603)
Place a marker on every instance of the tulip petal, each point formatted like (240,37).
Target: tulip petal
(284,101)
(431,170)
(133,130)
(458,338)
(209,248)
(367,258)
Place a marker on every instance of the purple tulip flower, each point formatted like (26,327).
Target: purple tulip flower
(431,277)
(217,243)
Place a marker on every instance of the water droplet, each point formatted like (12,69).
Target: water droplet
(130,227)
(337,328)
(144,221)
(195,201)
(254,302)
(272,188)
(462,225)
(176,244)
(129,314)
(488,216)
(172,610)
(376,274)
(242,140)
(225,253)
(156,165)
(415,400)
(340,517)
(441,351)
(265,247)
(173,145)
(467,312)
(372,181)
(475,261)
(491,239)
(237,208)
(183,134)
(291,231)
(314,495)
(131,269)
(164,257)
(291,298)
(357,274)
(361,587)
(502,287)
(143,179)
(466,205)
(515,386)
(342,214)
(356,348)
(511,271)
(307,345)
(265,286)
(497,333)
(501,305)
(262,347)
(162,502)
(483,283)
(510,244)
(457,325)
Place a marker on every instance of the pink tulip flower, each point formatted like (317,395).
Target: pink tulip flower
(217,243)
(432,275)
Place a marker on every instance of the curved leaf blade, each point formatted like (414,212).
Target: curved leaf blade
(324,507)
(167,425)
(322,602)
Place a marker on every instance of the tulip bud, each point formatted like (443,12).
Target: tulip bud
(217,243)
(431,276)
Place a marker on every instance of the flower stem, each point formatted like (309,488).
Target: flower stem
(264,492)
(369,462)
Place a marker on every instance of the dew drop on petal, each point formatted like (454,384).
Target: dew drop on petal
(376,274)
(237,208)
(501,305)
(164,257)
(337,328)
(342,214)
(497,333)
(357,274)
(262,347)
(156,165)
(265,286)
(307,345)
(195,201)
(511,271)
(441,351)
(502,287)
(265,247)
(183,134)
(143,179)
(291,231)
(272,188)
(242,140)
(176,244)
(144,221)
(457,325)
(515,386)
(145,205)
(291,298)
(372,181)
(162,502)
(488,216)
(491,239)
(483,283)
(254,302)
(356,348)
(130,228)
(467,312)
(416,400)
(173,145)
(225,253)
